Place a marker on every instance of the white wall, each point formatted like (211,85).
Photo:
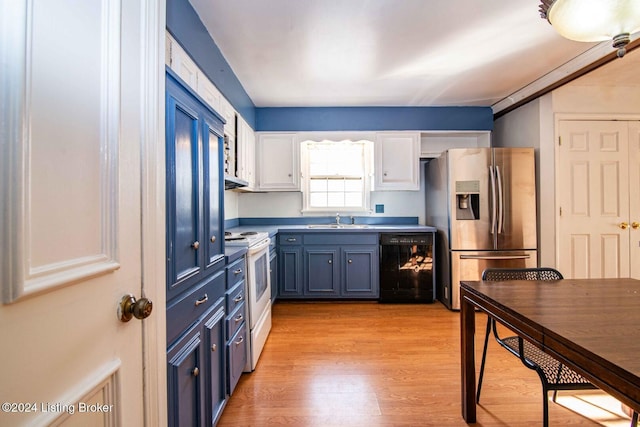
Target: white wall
(612,101)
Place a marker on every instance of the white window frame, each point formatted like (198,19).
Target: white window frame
(367,172)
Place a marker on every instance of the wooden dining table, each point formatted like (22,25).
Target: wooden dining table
(591,325)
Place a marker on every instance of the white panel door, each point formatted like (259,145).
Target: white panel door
(81,187)
(634,197)
(593,196)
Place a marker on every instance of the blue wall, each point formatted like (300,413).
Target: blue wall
(374,118)
(185,26)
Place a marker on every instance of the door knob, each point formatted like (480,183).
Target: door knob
(623,225)
(635,225)
(130,307)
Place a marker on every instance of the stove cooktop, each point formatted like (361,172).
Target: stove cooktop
(245,238)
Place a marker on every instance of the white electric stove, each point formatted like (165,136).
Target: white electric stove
(258,282)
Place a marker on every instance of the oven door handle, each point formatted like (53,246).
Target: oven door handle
(260,246)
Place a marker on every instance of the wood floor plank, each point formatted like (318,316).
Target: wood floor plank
(370,364)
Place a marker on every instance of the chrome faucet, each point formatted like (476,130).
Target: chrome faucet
(337,218)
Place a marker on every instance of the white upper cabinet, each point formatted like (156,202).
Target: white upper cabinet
(182,64)
(246,154)
(209,92)
(278,162)
(229,115)
(397,161)
(434,143)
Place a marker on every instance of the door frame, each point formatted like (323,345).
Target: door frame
(152,14)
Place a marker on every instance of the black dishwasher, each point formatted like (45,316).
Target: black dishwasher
(407,268)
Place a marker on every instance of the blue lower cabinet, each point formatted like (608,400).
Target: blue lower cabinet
(196,371)
(184,382)
(215,356)
(237,354)
(290,279)
(360,267)
(321,272)
(328,265)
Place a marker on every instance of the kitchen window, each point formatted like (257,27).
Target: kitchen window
(336,175)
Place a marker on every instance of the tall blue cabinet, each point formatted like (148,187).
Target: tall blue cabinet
(196,280)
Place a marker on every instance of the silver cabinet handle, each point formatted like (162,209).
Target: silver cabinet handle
(195,245)
(292,239)
(350,261)
(202,300)
(330,262)
(213,239)
(195,371)
(239,318)
(238,298)
(238,271)
(240,341)
(214,347)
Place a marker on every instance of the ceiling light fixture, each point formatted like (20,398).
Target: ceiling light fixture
(594,20)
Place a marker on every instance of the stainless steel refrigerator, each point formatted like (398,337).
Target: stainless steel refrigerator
(483,203)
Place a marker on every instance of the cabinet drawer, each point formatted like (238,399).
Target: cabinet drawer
(235,272)
(235,320)
(237,353)
(187,309)
(290,239)
(235,296)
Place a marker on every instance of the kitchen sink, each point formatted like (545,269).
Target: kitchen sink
(333,226)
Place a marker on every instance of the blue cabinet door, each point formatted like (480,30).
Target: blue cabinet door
(184,380)
(194,191)
(215,349)
(183,193)
(321,271)
(360,272)
(213,195)
(290,279)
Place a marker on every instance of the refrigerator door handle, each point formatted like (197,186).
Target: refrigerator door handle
(493,200)
(524,256)
(500,202)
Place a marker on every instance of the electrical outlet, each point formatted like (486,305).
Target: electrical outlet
(379,208)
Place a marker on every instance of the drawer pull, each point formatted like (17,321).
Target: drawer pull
(195,371)
(239,318)
(238,298)
(292,239)
(238,271)
(240,341)
(202,300)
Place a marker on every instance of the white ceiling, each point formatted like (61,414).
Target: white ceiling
(300,53)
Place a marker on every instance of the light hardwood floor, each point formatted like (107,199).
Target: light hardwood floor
(370,364)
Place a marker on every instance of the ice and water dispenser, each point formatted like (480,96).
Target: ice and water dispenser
(467,194)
